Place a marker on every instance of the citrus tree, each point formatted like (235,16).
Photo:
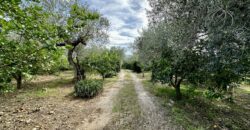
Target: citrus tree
(107,63)
(27,40)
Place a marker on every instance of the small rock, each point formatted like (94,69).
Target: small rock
(170,104)
(36,128)
(20,116)
(21,109)
(1,113)
(28,121)
(36,110)
(171,101)
(16,111)
(51,113)
(20,120)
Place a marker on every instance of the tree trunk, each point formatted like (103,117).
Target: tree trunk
(177,85)
(79,72)
(18,78)
(178,92)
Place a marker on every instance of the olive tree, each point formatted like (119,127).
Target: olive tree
(227,43)
(199,41)
(77,25)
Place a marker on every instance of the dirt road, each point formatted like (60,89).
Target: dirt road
(103,108)
(154,116)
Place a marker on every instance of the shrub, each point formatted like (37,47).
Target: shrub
(5,84)
(136,67)
(6,88)
(212,94)
(88,88)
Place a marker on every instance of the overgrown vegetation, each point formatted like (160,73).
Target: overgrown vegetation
(195,111)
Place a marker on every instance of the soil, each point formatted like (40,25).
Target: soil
(102,107)
(56,108)
(48,103)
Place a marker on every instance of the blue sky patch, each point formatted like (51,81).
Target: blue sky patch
(127,18)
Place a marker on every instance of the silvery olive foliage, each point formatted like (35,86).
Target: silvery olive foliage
(203,42)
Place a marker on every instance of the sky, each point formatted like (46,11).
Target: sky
(127,18)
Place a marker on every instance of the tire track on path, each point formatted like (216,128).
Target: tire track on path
(103,108)
(152,113)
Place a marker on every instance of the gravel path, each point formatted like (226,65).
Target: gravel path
(152,113)
(103,108)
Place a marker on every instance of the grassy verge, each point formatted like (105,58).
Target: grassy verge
(197,112)
(126,108)
(43,86)
(57,85)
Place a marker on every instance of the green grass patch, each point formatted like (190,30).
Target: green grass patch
(57,85)
(126,100)
(243,89)
(45,89)
(197,112)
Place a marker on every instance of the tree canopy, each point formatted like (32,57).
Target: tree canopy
(198,41)
(32,31)
(27,40)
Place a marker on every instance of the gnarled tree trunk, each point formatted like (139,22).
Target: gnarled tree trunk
(176,83)
(79,72)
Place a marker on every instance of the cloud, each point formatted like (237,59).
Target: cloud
(127,18)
